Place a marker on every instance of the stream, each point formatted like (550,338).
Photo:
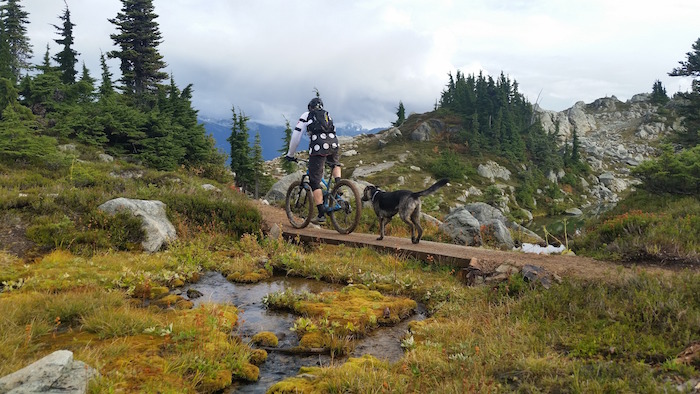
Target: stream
(253,317)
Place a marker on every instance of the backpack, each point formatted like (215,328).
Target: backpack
(322,122)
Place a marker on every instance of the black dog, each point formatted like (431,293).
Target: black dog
(404,202)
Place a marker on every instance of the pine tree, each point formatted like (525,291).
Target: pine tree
(400,115)
(138,41)
(288,166)
(106,88)
(240,149)
(86,86)
(256,160)
(5,56)
(14,20)
(658,94)
(67,57)
(690,110)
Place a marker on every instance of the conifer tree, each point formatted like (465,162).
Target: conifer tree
(138,38)
(5,56)
(86,86)
(106,88)
(288,166)
(658,94)
(240,149)
(67,57)
(14,31)
(400,115)
(690,110)
(256,161)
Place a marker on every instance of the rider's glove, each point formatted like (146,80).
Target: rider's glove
(290,158)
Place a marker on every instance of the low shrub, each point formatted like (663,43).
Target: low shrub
(235,217)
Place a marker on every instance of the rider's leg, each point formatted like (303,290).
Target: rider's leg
(334,160)
(316,164)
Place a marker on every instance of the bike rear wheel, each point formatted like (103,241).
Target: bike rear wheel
(299,204)
(345,206)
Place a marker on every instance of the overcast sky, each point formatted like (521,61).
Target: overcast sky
(265,57)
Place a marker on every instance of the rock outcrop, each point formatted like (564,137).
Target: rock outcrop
(56,373)
(159,231)
(478,223)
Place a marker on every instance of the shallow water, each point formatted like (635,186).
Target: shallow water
(384,343)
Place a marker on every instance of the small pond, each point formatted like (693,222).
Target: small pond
(383,343)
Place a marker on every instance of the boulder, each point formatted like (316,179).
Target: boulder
(493,170)
(159,231)
(462,227)
(278,191)
(56,373)
(498,230)
(422,132)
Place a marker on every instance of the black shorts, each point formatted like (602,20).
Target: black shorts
(316,164)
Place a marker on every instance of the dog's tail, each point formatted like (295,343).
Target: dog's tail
(432,189)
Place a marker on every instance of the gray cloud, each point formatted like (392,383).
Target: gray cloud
(266,57)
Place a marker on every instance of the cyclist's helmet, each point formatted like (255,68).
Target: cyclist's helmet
(315,103)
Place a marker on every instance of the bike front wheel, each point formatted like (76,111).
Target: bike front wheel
(299,204)
(345,206)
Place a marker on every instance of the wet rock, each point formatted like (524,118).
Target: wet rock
(193,293)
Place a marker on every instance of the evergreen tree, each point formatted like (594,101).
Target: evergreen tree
(256,160)
(67,57)
(19,142)
(288,166)
(45,92)
(691,109)
(106,88)
(86,86)
(658,94)
(138,39)
(14,32)
(400,115)
(575,147)
(5,56)
(240,149)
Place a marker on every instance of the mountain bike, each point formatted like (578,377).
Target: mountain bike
(341,201)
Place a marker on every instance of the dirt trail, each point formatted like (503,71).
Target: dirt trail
(576,266)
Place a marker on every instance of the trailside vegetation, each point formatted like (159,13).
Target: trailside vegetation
(141,116)
(661,220)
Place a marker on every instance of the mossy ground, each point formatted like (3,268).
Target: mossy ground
(571,337)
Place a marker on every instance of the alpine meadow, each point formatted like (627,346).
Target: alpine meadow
(137,257)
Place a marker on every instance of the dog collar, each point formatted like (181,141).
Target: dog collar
(375,194)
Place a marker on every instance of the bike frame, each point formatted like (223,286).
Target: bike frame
(326,189)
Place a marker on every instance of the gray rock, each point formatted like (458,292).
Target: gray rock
(159,231)
(278,191)
(210,187)
(484,212)
(422,133)
(500,232)
(390,133)
(105,158)
(362,172)
(493,170)
(462,227)
(55,373)
(67,148)
(574,212)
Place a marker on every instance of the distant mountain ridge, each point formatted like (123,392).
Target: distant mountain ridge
(271,137)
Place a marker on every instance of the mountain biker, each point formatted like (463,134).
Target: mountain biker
(323,149)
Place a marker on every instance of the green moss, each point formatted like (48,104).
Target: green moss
(258,356)
(247,372)
(173,300)
(265,338)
